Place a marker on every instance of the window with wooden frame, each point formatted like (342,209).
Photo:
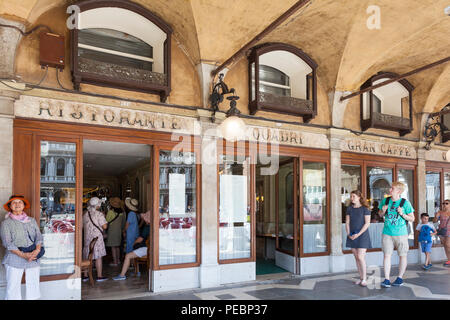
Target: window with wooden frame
(373,176)
(445,120)
(314,204)
(56,199)
(438,190)
(178,217)
(121,44)
(282,79)
(236,205)
(388,107)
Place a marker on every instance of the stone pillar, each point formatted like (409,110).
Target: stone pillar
(9,39)
(7,99)
(337,259)
(209,269)
(421,188)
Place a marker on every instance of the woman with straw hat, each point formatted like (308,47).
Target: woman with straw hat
(19,231)
(116,225)
(132,226)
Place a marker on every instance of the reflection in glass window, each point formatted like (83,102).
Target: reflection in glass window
(350,180)
(433,182)
(57,209)
(43,166)
(177,208)
(60,166)
(406,176)
(447,185)
(286,207)
(314,207)
(234,208)
(379,182)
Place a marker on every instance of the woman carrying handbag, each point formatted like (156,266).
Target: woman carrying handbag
(443,231)
(23,242)
(94,223)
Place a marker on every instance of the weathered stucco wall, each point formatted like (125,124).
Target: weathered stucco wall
(185,82)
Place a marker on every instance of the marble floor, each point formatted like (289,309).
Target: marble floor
(134,285)
(419,284)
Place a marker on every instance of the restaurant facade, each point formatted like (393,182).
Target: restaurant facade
(138,122)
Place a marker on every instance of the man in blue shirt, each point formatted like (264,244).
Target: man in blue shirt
(395,231)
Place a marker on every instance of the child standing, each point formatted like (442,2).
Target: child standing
(426,230)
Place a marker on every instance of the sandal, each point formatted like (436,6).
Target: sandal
(363,283)
(359,281)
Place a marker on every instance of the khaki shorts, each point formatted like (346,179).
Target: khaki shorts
(399,242)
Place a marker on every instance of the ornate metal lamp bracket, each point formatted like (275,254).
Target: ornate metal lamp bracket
(434,127)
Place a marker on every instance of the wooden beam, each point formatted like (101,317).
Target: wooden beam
(400,77)
(262,34)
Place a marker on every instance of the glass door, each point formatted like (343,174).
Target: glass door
(286,207)
(58,194)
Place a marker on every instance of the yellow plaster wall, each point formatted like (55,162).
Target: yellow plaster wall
(237,78)
(185,81)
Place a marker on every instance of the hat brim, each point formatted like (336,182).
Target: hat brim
(130,206)
(25,201)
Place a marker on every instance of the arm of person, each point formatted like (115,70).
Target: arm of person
(9,245)
(24,255)
(347,224)
(138,240)
(407,216)
(383,210)
(436,217)
(365,226)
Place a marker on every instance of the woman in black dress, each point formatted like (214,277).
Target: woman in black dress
(357,221)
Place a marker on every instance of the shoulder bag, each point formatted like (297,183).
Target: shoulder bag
(99,229)
(33,247)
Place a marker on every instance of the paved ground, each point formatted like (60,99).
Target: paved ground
(419,284)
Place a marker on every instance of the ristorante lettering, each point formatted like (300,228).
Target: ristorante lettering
(109,116)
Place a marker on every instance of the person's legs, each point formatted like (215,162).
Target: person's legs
(13,283)
(402,250)
(427,258)
(98,266)
(32,283)
(126,263)
(402,263)
(387,265)
(355,254)
(388,248)
(362,263)
(114,255)
(446,242)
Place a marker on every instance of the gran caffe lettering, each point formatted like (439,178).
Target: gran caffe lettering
(378,148)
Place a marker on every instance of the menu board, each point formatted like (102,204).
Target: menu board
(233,198)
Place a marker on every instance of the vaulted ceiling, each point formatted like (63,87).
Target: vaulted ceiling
(412,33)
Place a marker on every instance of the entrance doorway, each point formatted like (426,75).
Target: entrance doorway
(117,170)
(276,208)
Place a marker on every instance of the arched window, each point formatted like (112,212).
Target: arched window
(121,44)
(60,167)
(282,79)
(445,120)
(43,167)
(388,107)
